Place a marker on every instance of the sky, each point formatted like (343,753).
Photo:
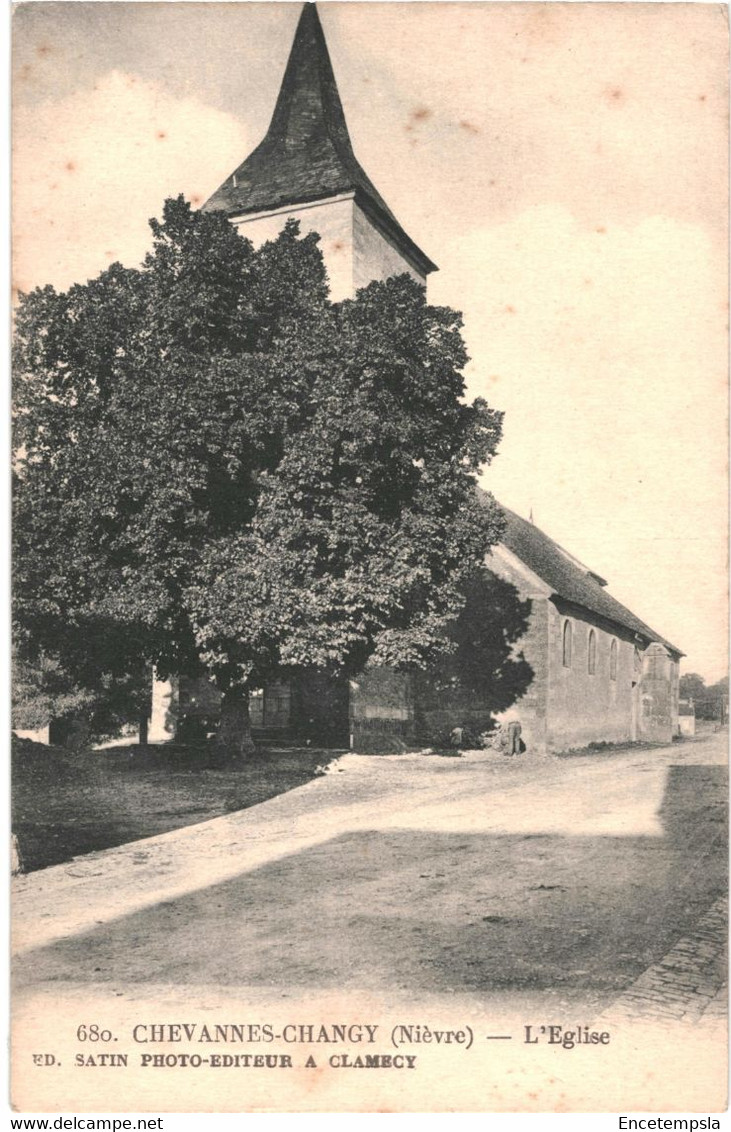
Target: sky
(564,164)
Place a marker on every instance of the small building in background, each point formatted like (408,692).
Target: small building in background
(686,718)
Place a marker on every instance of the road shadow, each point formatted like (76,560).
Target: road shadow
(429,911)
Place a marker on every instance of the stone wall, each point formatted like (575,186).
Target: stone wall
(583,707)
(355,252)
(531,709)
(657,724)
(498,672)
(331,219)
(374,256)
(381,712)
(675,696)
(436,718)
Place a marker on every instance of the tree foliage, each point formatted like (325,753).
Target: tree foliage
(485,667)
(710,700)
(43,691)
(692,686)
(220,471)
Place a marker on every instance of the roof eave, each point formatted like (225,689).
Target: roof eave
(406,245)
(240,208)
(393,232)
(648,636)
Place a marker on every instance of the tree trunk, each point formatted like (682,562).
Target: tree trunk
(233,738)
(142,741)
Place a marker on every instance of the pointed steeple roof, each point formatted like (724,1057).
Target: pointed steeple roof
(307,154)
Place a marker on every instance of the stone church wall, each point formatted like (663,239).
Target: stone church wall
(531,708)
(374,257)
(658,696)
(331,219)
(584,707)
(355,252)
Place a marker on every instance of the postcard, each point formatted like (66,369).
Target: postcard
(370,479)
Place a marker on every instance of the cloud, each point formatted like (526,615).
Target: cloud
(616,111)
(91,168)
(607,349)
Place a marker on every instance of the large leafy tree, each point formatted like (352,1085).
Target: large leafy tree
(711,701)
(93,707)
(223,473)
(692,686)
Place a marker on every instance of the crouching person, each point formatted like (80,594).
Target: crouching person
(514,745)
(507,738)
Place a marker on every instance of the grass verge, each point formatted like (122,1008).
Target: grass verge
(65,804)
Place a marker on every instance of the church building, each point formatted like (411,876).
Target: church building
(306,168)
(591,671)
(599,673)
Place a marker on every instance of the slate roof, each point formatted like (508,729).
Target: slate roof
(569,579)
(307,154)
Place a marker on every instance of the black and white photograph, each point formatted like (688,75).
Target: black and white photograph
(369,557)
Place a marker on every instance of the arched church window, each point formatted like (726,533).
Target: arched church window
(592,652)
(567,644)
(613,661)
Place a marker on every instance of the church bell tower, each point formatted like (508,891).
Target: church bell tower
(305,168)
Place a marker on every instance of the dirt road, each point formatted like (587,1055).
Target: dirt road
(561,880)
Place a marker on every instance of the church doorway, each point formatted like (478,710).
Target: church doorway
(309,709)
